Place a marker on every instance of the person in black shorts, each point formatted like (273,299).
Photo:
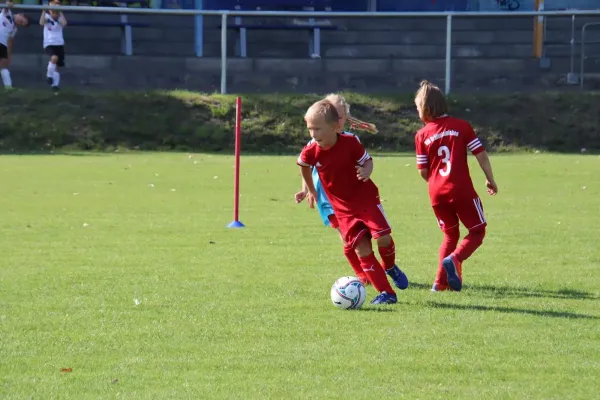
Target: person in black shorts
(8,30)
(54,43)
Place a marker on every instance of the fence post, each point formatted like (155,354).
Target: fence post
(199,28)
(448,53)
(224,53)
(538,30)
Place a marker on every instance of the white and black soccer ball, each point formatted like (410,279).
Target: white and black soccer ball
(348,292)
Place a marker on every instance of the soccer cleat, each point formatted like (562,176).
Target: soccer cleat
(384,298)
(55,89)
(49,80)
(452,266)
(399,277)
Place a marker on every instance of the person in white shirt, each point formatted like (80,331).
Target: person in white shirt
(54,43)
(8,30)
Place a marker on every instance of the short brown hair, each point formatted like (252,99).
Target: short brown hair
(325,109)
(430,99)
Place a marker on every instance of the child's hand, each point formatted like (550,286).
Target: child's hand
(310,198)
(301,196)
(492,188)
(362,173)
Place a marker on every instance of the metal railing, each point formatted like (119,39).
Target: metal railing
(449,15)
(582,65)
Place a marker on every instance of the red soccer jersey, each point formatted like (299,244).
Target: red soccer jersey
(442,148)
(337,171)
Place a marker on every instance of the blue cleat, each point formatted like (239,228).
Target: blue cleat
(384,298)
(450,266)
(399,277)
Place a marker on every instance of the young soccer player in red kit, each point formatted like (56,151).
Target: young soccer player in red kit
(344,169)
(442,146)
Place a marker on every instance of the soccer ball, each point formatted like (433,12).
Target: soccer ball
(348,292)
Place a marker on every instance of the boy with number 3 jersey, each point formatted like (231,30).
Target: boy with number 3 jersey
(442,146)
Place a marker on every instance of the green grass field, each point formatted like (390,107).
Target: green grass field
(120,267)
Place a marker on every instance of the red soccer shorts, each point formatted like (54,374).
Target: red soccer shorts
(468,211)
(333,222)
(370,220)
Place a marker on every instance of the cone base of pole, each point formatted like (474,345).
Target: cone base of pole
(236,224)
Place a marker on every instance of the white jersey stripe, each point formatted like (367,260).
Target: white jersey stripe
(302,163)
(364,158)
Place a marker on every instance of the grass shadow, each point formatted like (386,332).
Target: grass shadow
(376,309)
(507,291)
(516,292)
(511,310)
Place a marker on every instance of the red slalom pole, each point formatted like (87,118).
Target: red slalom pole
(236,180)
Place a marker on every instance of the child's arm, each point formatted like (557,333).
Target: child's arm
(364,173)
(308,181)
(424,174)
(43,18)
(486,167)
(301,195)
(62,20)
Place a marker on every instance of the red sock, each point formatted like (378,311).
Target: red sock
(375,273)
(388,255)
(470,243)
(354,262)
(449,243)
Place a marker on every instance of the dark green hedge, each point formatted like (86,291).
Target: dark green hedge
(40,121)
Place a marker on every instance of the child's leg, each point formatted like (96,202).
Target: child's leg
(370,264)
(51,69)
(387,251)
(470,243)
(380,229)
(451,237)
(357,235)
(4,72)
(472,216)
(448,222)
(388,255)
(350,254)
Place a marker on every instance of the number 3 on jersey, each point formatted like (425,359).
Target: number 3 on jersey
(444,152)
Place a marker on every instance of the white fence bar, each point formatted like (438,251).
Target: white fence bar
(316,14)
(307,14)
(448,76)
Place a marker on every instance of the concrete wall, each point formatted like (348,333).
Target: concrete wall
(287,75)
(365,55)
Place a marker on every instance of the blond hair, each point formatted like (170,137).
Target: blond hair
(430,99)
(355,123)
(324,109)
